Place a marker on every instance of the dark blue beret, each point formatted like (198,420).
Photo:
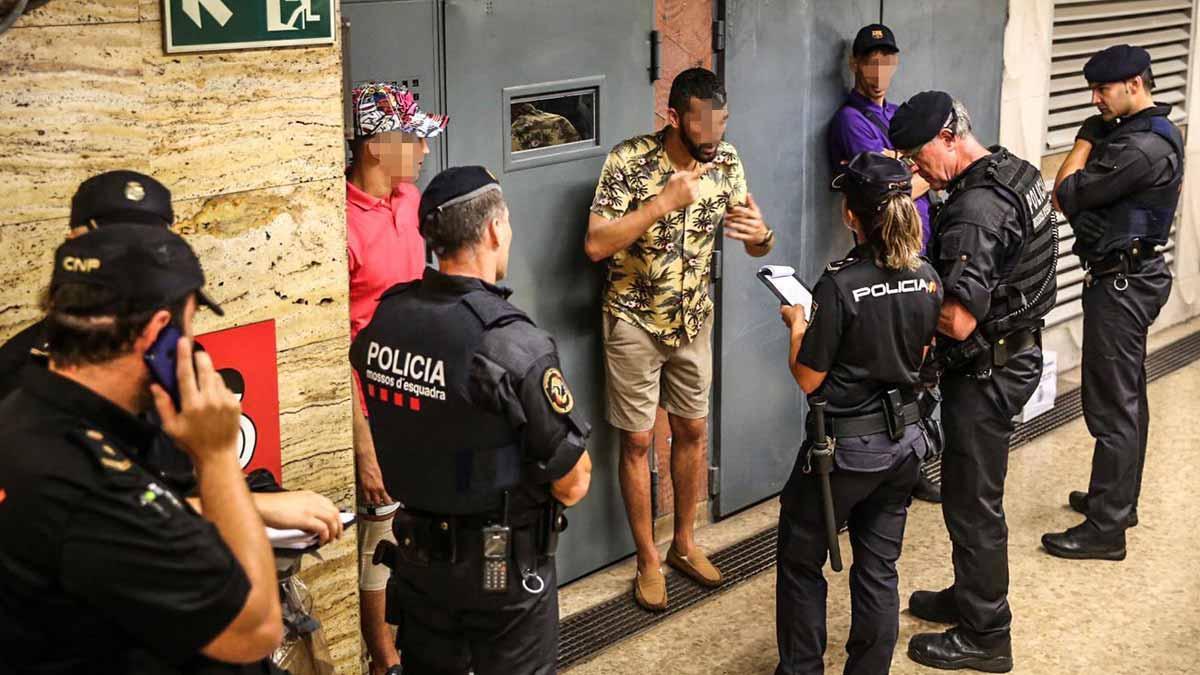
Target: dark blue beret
(920,119)
(1116,64)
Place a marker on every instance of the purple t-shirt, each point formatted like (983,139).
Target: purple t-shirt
(853,131)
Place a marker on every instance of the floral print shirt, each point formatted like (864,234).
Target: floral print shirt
(660,283)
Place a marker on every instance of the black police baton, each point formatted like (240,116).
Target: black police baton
(822,456)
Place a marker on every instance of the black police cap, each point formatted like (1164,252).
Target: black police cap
(874,36)
(1116,64)
(121,197)
(455,185)
(145,267)
(870,178)
(920,118)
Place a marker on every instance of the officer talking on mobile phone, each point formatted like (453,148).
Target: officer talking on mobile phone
(103,565)
(479,439)
(874,314)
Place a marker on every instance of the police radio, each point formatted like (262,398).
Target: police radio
(496,542)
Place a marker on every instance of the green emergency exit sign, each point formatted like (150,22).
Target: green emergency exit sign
(212,25)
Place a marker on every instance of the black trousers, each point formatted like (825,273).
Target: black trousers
(875,506)
(1115,323)
(449,626)
(977,417)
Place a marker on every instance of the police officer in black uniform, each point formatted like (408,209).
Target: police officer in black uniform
(131,199)
(1119,187)
(478,438)
(875,314)
(995,246)
(116,197)
(103,566)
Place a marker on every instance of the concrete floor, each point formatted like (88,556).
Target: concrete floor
(1138,616)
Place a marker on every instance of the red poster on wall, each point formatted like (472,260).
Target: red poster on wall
(245,357)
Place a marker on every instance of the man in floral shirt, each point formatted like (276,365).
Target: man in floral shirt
(660,203)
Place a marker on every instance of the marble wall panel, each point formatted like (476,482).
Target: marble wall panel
(234,121)
(69,100)
(28,251)
(251,145)
(82,12)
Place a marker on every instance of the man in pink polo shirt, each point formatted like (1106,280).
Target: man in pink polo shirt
(385,248)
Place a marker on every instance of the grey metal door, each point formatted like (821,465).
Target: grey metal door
(785,68)
(956,46)
(585,63)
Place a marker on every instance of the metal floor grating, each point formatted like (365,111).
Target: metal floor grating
(584,635)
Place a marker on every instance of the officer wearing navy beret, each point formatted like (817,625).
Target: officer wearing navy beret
(103,565)
(479,438)
(874,314)
(1119,187)
(994,244)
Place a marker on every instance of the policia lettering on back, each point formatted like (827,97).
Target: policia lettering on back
(472,421)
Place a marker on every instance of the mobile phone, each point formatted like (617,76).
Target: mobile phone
(162,361)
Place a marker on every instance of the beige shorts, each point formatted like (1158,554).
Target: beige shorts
(638,367)
(372,577)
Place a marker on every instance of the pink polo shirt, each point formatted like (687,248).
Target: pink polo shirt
(384,244)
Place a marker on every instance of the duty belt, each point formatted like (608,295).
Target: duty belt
(1120,263)
(869,425)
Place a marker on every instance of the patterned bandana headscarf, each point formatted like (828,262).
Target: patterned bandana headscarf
(386,106)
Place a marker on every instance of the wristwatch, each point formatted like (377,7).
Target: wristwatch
(767,239)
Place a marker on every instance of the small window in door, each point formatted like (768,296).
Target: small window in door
(552,120)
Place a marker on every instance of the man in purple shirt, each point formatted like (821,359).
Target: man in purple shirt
(861,124)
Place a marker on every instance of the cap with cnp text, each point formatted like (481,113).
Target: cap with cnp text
(872,37)
(121,197)
(455,185)
(143,267)
(921,118)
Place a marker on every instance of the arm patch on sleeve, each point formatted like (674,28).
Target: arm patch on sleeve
(557,392)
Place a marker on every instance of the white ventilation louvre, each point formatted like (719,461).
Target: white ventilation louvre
(1084,27)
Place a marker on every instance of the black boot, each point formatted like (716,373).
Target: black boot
(1085,542)
(955,649)
(1079,502)
(934,606)
(927,490)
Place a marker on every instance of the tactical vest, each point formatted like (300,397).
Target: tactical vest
(437,451)
(1029,288)
(1149,214)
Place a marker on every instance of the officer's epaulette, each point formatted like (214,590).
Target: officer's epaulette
(839,265)
(400,288)
(108,455)
(492,310)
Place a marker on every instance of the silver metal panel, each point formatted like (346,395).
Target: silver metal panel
(786,73)
(494,46)
(956,46)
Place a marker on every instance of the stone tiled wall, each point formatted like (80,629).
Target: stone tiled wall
(250,143)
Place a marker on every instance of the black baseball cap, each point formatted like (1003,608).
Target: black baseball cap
(874,36)
(146,267)
(455,185)
(871,177)
(1116,64)
(121,197)
(921,118)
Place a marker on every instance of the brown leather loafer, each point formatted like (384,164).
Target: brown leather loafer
(650,590)
(696,566)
